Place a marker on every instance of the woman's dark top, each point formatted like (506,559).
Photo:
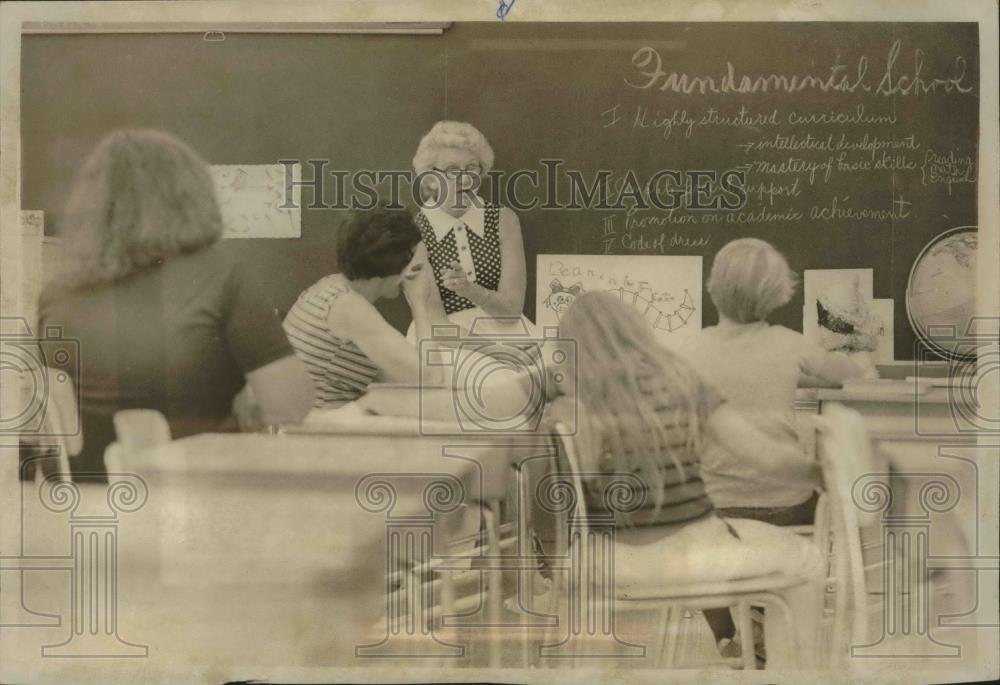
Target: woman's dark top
(178,337)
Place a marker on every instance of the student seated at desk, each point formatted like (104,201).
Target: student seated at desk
(334,326)
(162,315)
(757,367)
(644,411)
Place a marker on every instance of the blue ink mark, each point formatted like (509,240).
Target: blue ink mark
(504,8)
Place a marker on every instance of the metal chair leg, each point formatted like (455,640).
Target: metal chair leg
(671,635)
(494,591)
(745,625)
(777,602)
(665,621)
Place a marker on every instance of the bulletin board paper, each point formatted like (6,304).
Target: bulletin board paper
(665,289)
(252,196)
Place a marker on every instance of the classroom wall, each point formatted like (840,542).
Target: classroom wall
(358,100)
(569,92)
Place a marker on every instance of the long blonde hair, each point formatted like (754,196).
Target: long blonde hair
(616,352)
(140,197)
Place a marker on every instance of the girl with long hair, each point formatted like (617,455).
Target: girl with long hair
(645,418)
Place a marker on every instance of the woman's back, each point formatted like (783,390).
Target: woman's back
(178,338)
(756,367)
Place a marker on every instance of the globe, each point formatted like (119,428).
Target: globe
(941,293)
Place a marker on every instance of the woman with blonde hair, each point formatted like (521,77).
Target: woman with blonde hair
(757,366)
(474,246)
(162,315)
(644,413)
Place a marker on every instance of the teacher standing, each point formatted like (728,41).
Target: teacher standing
(474,246)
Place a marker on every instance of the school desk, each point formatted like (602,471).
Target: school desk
(240,554)
(923,437)
(935,518)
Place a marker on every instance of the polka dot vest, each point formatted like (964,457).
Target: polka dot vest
(485,256)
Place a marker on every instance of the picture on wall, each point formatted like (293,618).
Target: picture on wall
(254,200)
(666,290)
(841,314)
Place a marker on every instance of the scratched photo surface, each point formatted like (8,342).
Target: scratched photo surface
(487,342)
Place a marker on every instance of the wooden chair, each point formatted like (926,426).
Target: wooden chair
(674,599)
(844,451)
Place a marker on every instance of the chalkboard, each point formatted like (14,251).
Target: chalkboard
(360,101)
(858,140)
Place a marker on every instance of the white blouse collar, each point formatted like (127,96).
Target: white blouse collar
(442,222)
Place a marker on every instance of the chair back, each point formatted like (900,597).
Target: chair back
(568,448)
(139,429)
(136,430)
(842,451)
(62,418)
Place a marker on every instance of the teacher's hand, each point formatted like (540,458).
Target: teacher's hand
(456,280)
(418,262)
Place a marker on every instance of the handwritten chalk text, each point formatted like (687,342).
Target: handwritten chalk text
(837,78)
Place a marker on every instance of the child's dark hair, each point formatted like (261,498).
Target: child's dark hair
(376,243)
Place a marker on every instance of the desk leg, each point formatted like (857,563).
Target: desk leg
(923,471)
(409,630)
(906,620)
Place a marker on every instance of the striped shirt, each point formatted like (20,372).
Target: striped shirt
(339,370)
(626,497)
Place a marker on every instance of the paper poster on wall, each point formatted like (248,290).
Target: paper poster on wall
(829,292)
(252,197)
(665,289)
(32,275)
(841,314)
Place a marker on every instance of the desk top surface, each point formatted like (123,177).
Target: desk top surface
(333,455)
(933,396)
(483,462)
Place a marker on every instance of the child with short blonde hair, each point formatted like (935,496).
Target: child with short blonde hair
(757,366)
